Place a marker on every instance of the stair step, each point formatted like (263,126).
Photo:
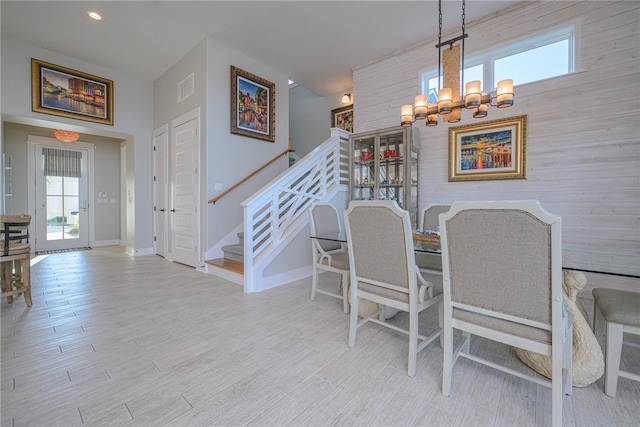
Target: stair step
(227,264)
(234,252)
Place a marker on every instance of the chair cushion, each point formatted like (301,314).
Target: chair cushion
(617,306)
(338,260)
(513,328)
(15,248)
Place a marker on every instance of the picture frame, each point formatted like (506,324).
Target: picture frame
(253,108)
(491,150)
(342,118)
(61,91)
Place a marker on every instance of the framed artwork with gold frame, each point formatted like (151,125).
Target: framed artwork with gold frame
(253,109)
(489,150)
(342,118)
(64,92)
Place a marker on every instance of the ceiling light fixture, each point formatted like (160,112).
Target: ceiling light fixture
(93,14)
(66,135)
(449,101)
(346,98)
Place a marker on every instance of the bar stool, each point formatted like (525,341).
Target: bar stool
(15,257)
(618,312)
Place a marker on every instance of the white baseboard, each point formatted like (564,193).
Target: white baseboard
(100,243)
(138,252)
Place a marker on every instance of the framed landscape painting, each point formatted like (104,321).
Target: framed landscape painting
(489,150)
(61,91)
(342,118)
(253,110)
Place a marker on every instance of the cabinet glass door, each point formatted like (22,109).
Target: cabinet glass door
(364,177)
(391,170)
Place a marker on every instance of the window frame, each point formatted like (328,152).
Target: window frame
(568,31)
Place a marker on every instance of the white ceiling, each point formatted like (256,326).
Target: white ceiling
(316,43)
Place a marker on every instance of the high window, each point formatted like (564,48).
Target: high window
(540,57)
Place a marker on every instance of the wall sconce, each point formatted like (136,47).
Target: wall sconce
(346,98)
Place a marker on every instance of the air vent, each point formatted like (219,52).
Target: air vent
(185,88)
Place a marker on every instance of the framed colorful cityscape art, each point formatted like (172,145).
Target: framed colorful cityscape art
(253,109)
(61,91)
(342,118)
(489,150)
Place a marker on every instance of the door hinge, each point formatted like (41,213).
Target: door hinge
(154,238)
(154,148)
(154,179)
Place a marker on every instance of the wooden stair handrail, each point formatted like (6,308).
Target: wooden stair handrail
(233,187)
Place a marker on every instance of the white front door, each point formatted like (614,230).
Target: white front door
(160,206)
(61,208)
(185,190)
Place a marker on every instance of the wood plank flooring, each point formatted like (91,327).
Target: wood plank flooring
(114,340)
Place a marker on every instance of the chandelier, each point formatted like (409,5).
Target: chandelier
(66,135)
(450,103)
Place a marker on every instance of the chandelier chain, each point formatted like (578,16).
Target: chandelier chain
(463,37)
(439,43)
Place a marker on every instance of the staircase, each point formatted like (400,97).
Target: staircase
(235,252)
(277,213)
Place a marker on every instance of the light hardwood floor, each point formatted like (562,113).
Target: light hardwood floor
(140,341)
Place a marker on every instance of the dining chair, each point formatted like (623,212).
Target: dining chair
(616,312)
(383,270)
(15,257)
(430,218)
(328,255)
(502,280)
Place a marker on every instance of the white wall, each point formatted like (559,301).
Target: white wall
(226,158)
(583,128)
(133,120)
(231,157)
(310,118)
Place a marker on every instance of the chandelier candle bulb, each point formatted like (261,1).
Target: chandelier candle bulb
(473,96)
(481,111)
(406,115)
(504,93)
(420,107)
(445,101)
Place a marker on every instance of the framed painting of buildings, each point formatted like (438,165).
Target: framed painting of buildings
(64,92)
(488,150)
(253,111)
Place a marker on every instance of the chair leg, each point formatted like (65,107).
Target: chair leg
(413,341)
(7,279)
(345,292)
(26,280)
(447,360)
(612,357)
(353,317)
(599,325)
(441,321)
(314,282)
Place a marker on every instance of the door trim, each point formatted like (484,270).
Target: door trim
(164,129)
(32,141)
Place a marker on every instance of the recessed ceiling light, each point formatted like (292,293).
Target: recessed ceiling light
(95,15)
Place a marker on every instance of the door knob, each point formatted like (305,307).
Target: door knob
(162,210)
(173,210)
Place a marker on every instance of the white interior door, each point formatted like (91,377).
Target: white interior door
(185,190)
(160,145)
(61,217)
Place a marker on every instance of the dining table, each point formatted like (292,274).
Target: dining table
(428,258)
